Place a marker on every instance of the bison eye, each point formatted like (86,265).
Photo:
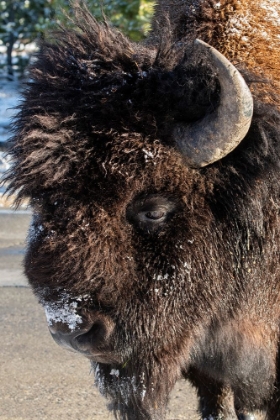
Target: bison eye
(155,215)
(150,213)
(158,214)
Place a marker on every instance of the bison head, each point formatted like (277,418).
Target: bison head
(109,147)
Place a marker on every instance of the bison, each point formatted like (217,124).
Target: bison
(153,173)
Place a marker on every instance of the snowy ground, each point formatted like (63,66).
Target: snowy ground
(9,98)
(9,93)
(9,90)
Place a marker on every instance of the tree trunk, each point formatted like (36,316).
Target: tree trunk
(10,46)
(10,43)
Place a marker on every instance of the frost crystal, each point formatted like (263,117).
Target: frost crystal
(99,379)
(64,311)
(148,154)
(115,372)
(34,229)
(161,277)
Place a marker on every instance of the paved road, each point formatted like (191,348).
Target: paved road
(13,231)
(38,379)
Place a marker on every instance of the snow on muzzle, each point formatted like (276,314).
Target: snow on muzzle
(84,331)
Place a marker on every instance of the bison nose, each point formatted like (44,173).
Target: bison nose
(66,337)
(89,337)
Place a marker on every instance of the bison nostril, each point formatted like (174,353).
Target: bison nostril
(92,336)
(95,337)
(65,337)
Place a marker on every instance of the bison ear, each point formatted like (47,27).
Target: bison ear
(217,134)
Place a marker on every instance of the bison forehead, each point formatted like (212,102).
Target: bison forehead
(112,167)
(103,106)
(122,84)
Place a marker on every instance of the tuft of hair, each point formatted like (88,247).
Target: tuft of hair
(90,83)
(247,32)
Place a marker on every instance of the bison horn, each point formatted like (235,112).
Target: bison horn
(217,134)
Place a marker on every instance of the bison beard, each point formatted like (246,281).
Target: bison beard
(151,268)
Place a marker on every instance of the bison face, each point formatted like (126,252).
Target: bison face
(117,250)
(114,148)
(77,323)
(95,298)
(111,262)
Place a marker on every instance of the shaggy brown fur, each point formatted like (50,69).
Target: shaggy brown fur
(194,295)
(245,31)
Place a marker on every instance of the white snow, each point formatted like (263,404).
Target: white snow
(9,90)
(99,379)
(35,228)
(64,311)
(161,277)
(9,99)
(148,154)
(273,11)
(115,372)
(143,393)
(4,166)
(187,266)
(239,25)
(4,163)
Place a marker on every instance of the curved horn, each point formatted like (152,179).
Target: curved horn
(217,134)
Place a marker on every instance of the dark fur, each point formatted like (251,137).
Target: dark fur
(199,298)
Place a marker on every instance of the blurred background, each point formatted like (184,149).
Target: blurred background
(24,22)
